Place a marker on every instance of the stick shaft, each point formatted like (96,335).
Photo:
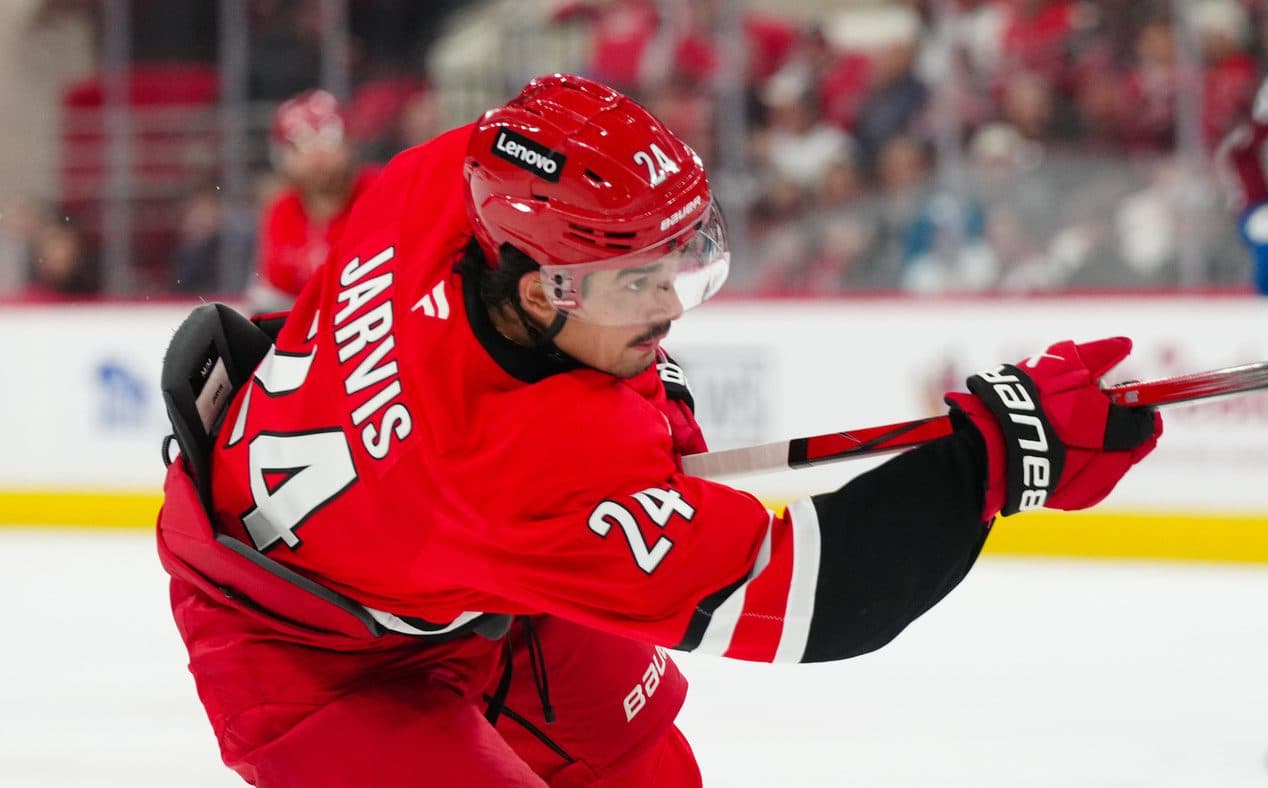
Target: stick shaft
(870,441)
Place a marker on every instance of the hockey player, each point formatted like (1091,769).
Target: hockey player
(440,535)
(1241,160)
(309,145)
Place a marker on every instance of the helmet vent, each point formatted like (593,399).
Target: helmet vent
(594,177)
(620,235)
(580,237)
(581,228)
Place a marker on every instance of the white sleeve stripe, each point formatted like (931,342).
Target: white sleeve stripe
(805,580)
(396,624)
(717,635)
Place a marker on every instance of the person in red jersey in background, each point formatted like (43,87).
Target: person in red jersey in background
(1242,161)
(434,529)
(309,145)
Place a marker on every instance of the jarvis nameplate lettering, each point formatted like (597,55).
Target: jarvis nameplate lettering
(528,155)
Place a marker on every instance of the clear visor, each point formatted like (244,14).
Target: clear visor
(651,285)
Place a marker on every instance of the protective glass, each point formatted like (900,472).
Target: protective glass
(649,285)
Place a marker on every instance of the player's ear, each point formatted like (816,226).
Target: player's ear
(533,298)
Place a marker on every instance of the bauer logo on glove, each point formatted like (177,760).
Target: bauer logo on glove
(1053,438)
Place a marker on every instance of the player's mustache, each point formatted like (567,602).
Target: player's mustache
(656,332)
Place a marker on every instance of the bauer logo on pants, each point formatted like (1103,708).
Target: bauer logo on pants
(529,155)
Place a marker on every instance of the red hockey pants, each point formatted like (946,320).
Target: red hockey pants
(402,713)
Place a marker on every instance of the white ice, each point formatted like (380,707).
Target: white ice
(1033,674)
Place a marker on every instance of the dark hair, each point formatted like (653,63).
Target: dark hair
(500,285)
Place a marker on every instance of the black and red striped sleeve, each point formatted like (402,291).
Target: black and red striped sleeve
(699,566)
(843,573)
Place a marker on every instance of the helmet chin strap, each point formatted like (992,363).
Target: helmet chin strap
(542,338)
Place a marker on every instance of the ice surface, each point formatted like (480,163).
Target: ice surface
(1033,674)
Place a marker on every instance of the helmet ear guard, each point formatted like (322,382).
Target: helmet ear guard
(577,175)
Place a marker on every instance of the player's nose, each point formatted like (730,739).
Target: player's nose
(667,305)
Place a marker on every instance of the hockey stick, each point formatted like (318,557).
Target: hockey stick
(870,441)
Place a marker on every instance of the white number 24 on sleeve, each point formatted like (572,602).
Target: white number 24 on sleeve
(660,505)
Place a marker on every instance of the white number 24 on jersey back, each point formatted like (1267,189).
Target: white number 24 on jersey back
(312,467)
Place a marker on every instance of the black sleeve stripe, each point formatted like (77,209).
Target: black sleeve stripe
(894,542)
(704,613)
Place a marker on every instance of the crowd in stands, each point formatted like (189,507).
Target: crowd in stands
(1033,149)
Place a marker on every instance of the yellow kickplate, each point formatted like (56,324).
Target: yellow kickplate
(1116,534)
(79,508)
(1090,534)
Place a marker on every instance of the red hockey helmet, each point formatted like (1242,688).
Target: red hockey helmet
(586,181)
(314,116)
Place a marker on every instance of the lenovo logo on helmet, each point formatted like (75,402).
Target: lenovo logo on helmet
(682,213)
(528,155)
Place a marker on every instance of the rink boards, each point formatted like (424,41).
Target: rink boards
(82,419)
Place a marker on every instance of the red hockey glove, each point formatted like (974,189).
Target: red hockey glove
(680,408)
(1053,438)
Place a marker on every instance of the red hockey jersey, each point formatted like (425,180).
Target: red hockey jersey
(383,449)
(395,448)
(292,246)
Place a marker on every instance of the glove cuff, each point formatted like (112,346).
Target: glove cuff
(966,408)
(1034,455)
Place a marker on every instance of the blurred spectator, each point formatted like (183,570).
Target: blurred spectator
(798,145)
(894,100)
(837,80)
(634,48)
(840,183)
(1230,71)
(846,224)
(1151,88)
(387,116)
(903,170)
(1241,161)
(902,178)
(1103,107)
(1066,111)
(285,47)
(22,220)
(780,202)
(313,153)
(780,256)
(62,266)
(419,119)
(1082,252)
(201,234)
(1036,36)
(1027,104)
(1019,203)
(689,111)
(622,29)
(939,238)
(770,41)
(1148,226)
